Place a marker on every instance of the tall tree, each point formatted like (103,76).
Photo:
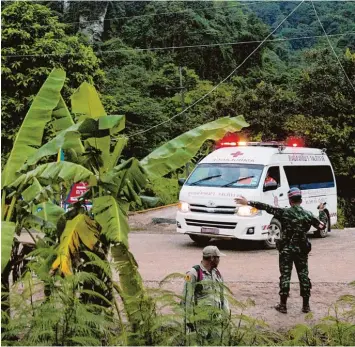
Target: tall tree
(33,42)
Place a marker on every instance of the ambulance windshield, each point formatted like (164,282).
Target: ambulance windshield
(226,175)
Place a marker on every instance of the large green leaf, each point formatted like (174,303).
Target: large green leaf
(36,192)
(137,305)
(177,152)
(48,211)
(114,123)
(55,172)
(103,145)
(7,237)
(67,139)
(121,142)
(61,117)
(62,120)
(80,230)
(86,102)
(70,138)
(110,214)
(30,135)
(129,173)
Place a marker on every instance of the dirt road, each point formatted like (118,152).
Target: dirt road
(249,270)
(252,272)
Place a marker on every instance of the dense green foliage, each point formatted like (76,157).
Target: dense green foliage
(65,319)
(31,29)
(286,88)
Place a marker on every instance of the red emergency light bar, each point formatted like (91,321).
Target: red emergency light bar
(232,140)
(295,142)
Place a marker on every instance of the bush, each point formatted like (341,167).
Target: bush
(166,189)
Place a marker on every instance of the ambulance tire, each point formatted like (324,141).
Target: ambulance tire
(323,233)
(200,240)
(275,233)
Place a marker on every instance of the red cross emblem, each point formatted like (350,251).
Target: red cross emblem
(237,154)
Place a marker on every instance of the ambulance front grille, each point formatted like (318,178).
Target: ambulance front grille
(212,224)
(209,209)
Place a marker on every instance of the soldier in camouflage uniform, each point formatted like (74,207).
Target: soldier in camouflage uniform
(204,291)
(293,245)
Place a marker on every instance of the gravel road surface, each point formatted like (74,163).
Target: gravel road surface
(252,272)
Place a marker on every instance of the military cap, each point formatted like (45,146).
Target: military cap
(293,192)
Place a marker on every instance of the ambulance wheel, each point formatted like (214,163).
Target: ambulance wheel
(200,240)
(274,233)
(323,233)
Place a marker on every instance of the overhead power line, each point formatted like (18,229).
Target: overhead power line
(179,47)
(331,46)
(159,13)
(225,43)
(220,83)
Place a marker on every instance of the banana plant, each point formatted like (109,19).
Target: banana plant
(28,139)
(93,147)
(177,152)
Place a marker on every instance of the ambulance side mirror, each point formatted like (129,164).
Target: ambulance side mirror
(181,181)
(270,186)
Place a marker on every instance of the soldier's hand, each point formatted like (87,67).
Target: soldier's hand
(241,200)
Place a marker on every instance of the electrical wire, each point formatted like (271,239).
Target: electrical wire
(178,47)
(331,46)
(225,79)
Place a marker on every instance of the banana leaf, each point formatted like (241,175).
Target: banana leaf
(121,142)
(62,120)
(51,173)
(110,214)
(137,305)
(67,139)
(7,237)
(48,211)
(115,123)
(103,145)
(34,190)
(30,135)
(150,201)
(80,230)
(129,171)
(86,102)
(177,152)
(70,138)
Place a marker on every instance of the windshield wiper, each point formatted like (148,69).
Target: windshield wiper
(239,179)
(204,179)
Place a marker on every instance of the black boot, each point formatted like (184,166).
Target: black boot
(281,307)
(305,307)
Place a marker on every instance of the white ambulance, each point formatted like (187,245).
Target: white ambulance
(259,171)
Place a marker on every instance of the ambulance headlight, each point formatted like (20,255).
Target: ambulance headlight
(246,211)
(183,206)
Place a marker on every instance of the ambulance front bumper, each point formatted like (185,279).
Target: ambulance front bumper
(221,226)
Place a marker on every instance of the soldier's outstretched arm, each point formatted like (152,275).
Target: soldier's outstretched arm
(276,211)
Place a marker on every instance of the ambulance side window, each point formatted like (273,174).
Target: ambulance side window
(310,177)
(273,175)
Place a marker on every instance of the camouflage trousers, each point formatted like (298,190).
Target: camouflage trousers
(287,257)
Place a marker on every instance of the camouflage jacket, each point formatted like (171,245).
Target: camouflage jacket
(295,222)
(209,291)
